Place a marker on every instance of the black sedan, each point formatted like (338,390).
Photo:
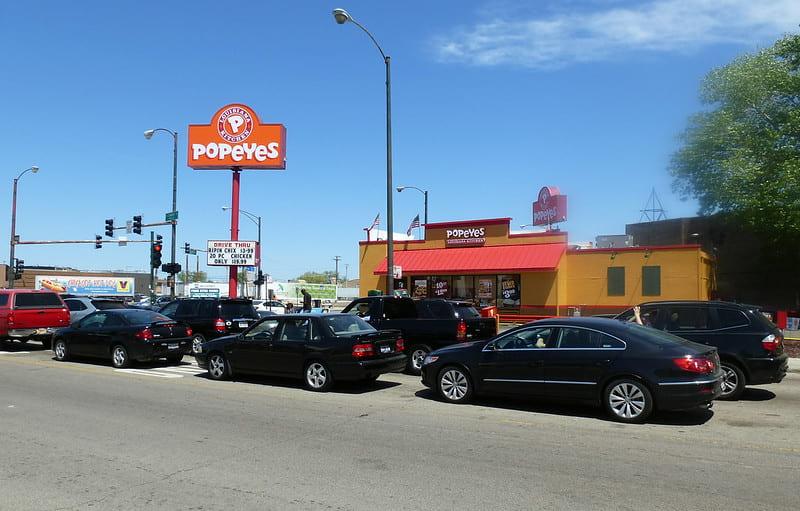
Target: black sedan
(319,348)
(631,370)
(124,335)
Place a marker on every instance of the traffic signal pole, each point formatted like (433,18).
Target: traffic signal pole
(233,273)
(152,279)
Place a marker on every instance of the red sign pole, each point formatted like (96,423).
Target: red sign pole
(232,277)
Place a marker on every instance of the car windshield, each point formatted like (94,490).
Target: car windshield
(236,310)
(347,325)
(143,317)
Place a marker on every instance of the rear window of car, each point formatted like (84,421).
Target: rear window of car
(730,318)
(655,336)
(235,310)
(3,300)
(347,325)
(466,311)
(37,300)
(104,305)
(143,317)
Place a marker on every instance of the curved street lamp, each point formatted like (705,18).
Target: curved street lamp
(341,16)
(148,134)
(256,219)
(33,170)
(424,194)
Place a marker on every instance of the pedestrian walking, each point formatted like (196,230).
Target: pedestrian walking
(306,300)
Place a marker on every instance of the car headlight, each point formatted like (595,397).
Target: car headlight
(430,359)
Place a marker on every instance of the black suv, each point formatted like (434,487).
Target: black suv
(212,317)
(750,346)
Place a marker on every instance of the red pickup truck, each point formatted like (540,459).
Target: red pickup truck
(28,314)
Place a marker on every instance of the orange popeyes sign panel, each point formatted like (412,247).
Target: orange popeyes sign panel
(236,138)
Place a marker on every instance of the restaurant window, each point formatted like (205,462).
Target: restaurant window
(616,281)
(508,291)
(651,280)
(440,287)
(463,287)
(484,292)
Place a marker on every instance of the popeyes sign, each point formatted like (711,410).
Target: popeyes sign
(237,139)
(550,208)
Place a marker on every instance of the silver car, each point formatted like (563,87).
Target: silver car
(81,306)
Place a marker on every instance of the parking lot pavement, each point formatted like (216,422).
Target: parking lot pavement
(80,435)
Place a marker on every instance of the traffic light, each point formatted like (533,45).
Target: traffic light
(19,269)
(137,224)
(155,252)
(110,227)
(97,241)
(260,280)
(187,248)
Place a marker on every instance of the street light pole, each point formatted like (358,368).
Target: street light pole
(34,169)
(424,194)
(148,134)
(257,220)
(341,16)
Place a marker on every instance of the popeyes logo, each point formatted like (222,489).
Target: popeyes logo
(550,208)
(237,139)
(465,237)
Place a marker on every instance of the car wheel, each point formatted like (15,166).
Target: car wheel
(217,367)
(197,340)
(46,343)
(628,401)
(317,376)
(175,359)
(454,385)
(415,357)
(60,350)
(733,381)
(119,356)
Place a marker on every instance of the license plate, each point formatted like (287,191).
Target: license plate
(172,346)
(242,325)
(386,349)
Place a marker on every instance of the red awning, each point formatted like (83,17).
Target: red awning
(496,259)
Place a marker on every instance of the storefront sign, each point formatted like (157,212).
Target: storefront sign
(550,208)
(237,139)
(509,289)
(231,253)
(469,236)
(420,289)
(86,286)
(440,288)
(486,288)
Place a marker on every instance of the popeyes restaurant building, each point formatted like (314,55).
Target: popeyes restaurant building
(530,275)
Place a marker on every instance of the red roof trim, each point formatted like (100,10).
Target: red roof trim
(383,242)
(537,234)
(631,249)
(486,221)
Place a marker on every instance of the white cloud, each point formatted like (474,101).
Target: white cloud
(580,36)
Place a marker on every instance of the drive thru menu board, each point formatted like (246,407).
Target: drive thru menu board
(231,253)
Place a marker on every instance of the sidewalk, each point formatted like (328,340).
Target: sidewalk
(794,364)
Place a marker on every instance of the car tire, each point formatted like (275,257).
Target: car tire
(197,340)
(317,376)
(218,368)
(47,343)
(628,401)
(733,381)
(119,356)
(175,359)
(454,385)
(60,350)
(416,354)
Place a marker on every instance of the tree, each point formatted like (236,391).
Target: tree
(741,156)
(317,278)
(192,276)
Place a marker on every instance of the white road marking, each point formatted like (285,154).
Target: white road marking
(166,372)
(14,352)
(148,372)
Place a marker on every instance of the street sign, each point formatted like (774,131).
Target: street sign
(123,241)
(231,253)
(129,226)
(398,272)
(171,216)
(192,251)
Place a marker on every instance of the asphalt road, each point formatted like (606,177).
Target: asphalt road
(84,436)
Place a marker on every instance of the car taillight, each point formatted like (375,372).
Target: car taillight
(700,365)
(400,345)
(219,325)
(144,335)
(188,332)
(461,331)
(772,342)
(363,350)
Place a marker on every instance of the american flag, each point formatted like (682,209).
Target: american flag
(375,222)
(414,223)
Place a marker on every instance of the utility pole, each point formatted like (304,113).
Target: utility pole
(337,259)
(346,267)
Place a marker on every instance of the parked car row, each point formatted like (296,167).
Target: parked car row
(630,369)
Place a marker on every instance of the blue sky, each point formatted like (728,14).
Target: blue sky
(491,101)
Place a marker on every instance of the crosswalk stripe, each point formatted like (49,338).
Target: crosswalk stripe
(148,372)
(14,352)
(183,370)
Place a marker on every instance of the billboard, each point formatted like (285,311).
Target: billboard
(235,138)
(550,208)
(86,286)
(290,291)
(231,253)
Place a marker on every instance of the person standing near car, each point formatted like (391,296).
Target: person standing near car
(306,300)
